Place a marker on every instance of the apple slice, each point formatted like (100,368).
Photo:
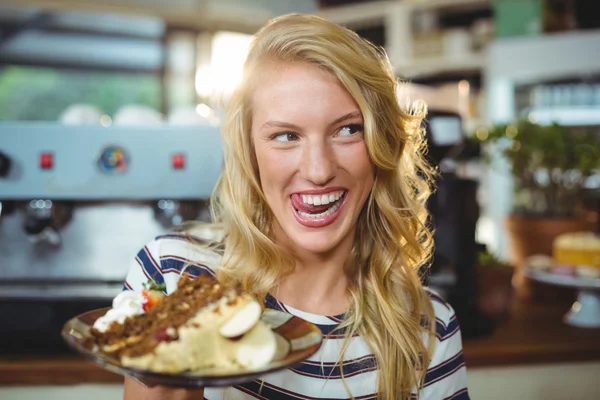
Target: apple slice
(242,321)
(257,348)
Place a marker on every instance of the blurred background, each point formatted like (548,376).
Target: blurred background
(109,135)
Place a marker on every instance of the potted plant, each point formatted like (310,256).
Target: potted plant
(495,292)
(550,165)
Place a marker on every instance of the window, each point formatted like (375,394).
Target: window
(43,93)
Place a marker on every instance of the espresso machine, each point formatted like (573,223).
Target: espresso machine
(454,212)
(77,204)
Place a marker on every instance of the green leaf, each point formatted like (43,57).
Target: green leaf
(153,286)
(549,164)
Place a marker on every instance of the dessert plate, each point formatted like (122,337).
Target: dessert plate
(297,340)
(562,280)
(585,311)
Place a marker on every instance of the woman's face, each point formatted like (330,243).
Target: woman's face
(312,159)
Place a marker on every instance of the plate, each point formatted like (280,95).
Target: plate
(297,340)
(562,280)
(585,311)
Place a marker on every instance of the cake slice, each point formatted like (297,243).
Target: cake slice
(201,325)
(579,249)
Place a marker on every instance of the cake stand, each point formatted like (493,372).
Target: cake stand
(585,311)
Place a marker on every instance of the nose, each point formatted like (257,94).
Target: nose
(318,163)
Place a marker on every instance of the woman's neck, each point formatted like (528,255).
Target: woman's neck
(318,284)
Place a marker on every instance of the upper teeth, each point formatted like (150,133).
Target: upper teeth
(322,199)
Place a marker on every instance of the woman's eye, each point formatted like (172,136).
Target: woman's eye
(350,130)
(285,137)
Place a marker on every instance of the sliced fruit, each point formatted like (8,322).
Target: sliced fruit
(242,321)
(152,293)
(257,348)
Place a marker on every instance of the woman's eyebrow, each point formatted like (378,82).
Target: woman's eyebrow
(282,124)
(279,124)
(350,115)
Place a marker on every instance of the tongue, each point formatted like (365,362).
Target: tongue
(308,208)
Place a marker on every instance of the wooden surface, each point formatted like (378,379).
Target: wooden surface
(533,334)
(52,370)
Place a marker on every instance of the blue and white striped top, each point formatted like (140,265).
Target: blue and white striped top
(319,377)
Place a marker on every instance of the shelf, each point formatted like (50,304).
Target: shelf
(448,4)
(374,12)
(439,66)
(570,116)
(534,59)
(357,15)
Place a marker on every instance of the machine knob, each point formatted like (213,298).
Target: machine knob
(5,164)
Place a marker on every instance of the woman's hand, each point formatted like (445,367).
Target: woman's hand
(135,390)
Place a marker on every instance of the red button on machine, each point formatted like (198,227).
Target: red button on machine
(46,160)
(178,161)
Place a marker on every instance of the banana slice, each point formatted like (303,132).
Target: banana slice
(242,321)
(257,348)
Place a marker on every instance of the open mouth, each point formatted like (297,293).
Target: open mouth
(318,210)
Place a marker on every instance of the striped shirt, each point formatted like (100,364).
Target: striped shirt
(318,377)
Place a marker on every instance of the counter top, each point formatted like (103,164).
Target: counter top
(533,334)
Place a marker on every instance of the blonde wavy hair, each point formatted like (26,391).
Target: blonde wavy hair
(390,309)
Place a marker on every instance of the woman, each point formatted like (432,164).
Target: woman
(320,208)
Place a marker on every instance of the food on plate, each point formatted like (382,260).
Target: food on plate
(564,270)
(575,254)
(588,272)
(202,324)
(577,249)
(540,262)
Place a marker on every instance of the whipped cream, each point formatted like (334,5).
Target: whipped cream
(125,304)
